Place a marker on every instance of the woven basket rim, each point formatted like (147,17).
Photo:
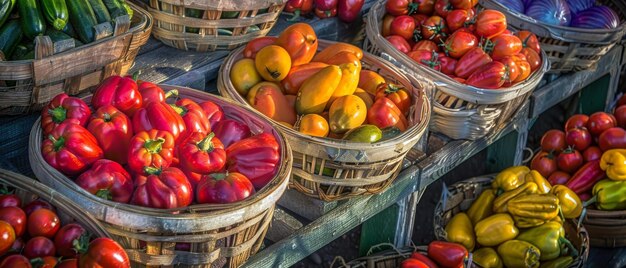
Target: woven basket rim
(411,135)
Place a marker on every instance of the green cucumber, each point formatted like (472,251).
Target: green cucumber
(193,13)
(83,19)
(10,36)
(100,10)
(6,6)
(31,19)
(55,12)
(115,8)
(229,14)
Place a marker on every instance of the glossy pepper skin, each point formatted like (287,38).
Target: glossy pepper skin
(167,188)
(482,207)
(384,113)
(609,195)
(213,112)
(298,7)
(495,229)
(614,163)
(151,92)
(548,238)
(534,207)
(586,177)
(70,148)
(487,258)
(201,153)
(121,92)
(153,149)
(349,10)
(160,116)
(113,130)
(517,253)
(561,262)
(570,203)
(460,230)
(510,178)
(64,108)
(222,188)
(193,116)
(230,131)
(543,185)
(108,180)
(256,157)
(447,254)
(500,204)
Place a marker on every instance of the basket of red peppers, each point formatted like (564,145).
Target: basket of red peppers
(346,10)
(190,180)
(484,71)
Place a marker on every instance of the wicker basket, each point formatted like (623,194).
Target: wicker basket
(391,258)
(568,48)
(218,233)
(211,30)
(28,85)
(357,168)
(460,111)
(68,211)
(606,229)
(460,196)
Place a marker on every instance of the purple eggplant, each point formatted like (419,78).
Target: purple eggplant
(597,17)
(555,12)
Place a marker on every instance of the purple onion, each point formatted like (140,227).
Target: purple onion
(576,6)
(555,12)
(515,5)
(597,17)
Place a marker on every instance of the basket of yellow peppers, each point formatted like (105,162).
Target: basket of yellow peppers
(513,219)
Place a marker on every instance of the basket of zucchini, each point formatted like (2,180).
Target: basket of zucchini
(53,46)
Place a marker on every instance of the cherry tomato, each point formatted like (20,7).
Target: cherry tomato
(544,163)
(443,7)
(514,70)
(620,116)
(460,43)
(553,141)
(403,26)
(558,178)
(434,29)
(64,239)
(576,121)
(399,43)
(599,122)
(10,200)
(43,222)
(579,138)
(592,153)
(533,58)
(529,40)
(457,19)
(490,76)
(37,204)
(612,138)
(448,64)
(490,23)
(39,246)
(426,57)
(524,68)
(506,45)
(426,7)
(400,7)
(15,261)
(463,4)
(386,31)
(7,237)
(569,161)
(425,45)
(104,252)
(16,217)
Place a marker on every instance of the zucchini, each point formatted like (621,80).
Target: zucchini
(115,8)
(6,6)
(69,30)
(229,14)
(10,36)
(57,36)
(55,12)
(193,13)
(83,19)
(129,10)
(100,10)
(22,51)
(31,19)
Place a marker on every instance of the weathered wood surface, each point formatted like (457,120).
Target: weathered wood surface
(305,206)
(282,225)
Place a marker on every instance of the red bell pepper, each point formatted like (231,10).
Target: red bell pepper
(64,108)
(152,92)
(325,14)
(149,150)
(193,116)
(167,188)
(423,258)
(120,92)
(159,115)
(298,7)
(107,179)
(113,130)
(384,113)
(256,157)
(324,5)
(213,112)
(71,149)
(193,178)
(584,179)
(223,188)
(447,254)
(230,131)
(202,153)
(413,263)
(349,10)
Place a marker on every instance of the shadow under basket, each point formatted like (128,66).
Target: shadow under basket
(332,169)
(201,235)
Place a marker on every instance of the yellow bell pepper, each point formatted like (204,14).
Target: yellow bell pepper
(481,207)
(500,203)
(614,163)
(542,184)
(509,178)
(570,203)
(561,262)
(459,230)
(542,207)
(495,229)
(487,258)
(522,222)
(517,253)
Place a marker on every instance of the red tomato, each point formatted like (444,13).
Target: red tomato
(15,261)
(443,7)
(424,259)
(471,61)
(620,116)
(576,121)
(413,263)
(569,161)
(104,252)
(64,239)
(460,43)
(544,163)
(386,30)
(621,101)
(490,76)
(553,141)
(69,263)
(426,58)
(7,237)
(524,68)
(425,7)
(529,40)
(506,45)
(10,200)
(599,122)
(533,58)
(17,246)
(45,262)
(592,153)
(16,217)
(448,64)
(43,222)
(579,138)
(37,204)
(399,43)
(558,178)
(463,4)
(490,23)
(403,26)
(457,19)
(399,7)
(612,138)
(39,246)
(419,20)
(425,45)
(514,70)
(434,29)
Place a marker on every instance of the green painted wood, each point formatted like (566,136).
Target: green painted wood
(593,97)
(379,229)
(501,154)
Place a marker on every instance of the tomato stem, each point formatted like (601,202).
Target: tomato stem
(206,144)
(296,15)
(58,114)
(104,194)
(154,146)
(81,244)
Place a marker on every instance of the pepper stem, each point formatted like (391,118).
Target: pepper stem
(590,201)
(58,114)
(327,13)
(152,170)
(173,92)
(81,244)
(296,15)
(58,144)
(106,117)
(182,111)
(219,176)
(154,146)
(104,194)
(568,244)
(136,75)
(206,144)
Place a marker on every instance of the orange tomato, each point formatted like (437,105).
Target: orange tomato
(272,63)
(314,125)
(336,48)
(298,74)
(257,44)
(397,94)
(267,98)
(533,58)
(524,68)
(300,41)
(344,57)
(369,81)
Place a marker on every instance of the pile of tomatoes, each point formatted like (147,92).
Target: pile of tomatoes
(346,10)
(33,236)
(451,37)
(325,94)
(137,148)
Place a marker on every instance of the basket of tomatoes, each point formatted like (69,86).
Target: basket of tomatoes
(484,72)
(190,181)
(42,228)
(575,34)
(350,117)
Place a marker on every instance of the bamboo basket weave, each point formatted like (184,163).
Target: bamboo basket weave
(211,30)
(568,48)
(460,111)
(606,229)
(357,168)
(69,212)
(28,85)
(218,233)
(460,196)
(391,258)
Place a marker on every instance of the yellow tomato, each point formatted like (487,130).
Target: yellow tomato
(314,125)
(366,97)
(346,113)
(243,75)
(369,81)
(273,63)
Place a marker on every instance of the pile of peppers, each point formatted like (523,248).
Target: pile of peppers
(137,147)
(610,193)
(518,222)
